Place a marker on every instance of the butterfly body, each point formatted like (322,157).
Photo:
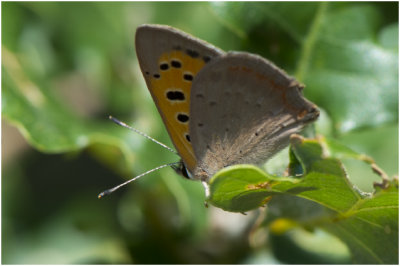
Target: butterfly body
(219,108)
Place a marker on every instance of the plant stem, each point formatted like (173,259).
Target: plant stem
(309,42)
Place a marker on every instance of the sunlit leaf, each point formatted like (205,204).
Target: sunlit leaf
(367,223)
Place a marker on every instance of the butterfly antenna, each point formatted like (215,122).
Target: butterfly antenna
(116,121)
(111,190)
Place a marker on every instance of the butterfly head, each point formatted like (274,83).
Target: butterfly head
(198,174)
(182,170)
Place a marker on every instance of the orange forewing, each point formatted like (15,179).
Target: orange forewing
(176,80)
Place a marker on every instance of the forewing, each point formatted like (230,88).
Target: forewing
(169,60)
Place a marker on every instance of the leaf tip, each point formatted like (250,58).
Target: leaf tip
(296,139)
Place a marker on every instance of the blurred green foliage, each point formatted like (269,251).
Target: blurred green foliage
(66,66)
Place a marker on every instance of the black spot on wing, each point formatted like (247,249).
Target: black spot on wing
(182,118)
(188,77)
(175,95)
(206,58)
(164,66)
(176,63)
(192,53)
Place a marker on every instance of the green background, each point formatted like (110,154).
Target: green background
(67,66)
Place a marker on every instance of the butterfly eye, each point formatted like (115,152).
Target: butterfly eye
(185,173)
(182,170)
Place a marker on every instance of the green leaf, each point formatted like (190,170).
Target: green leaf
(325,182)
(340,151)
(367,223)
(370,228)
(240,188)
(57,50)
(333,48)
(45,121)
(242,17)
(353,77)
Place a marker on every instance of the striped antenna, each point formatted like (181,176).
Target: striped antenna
(116,121)
(111,190)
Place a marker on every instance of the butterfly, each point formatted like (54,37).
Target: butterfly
(219,108)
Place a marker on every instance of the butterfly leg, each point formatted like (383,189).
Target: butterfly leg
(206,189)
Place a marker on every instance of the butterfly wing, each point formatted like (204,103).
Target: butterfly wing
(244,110)
(169,60)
